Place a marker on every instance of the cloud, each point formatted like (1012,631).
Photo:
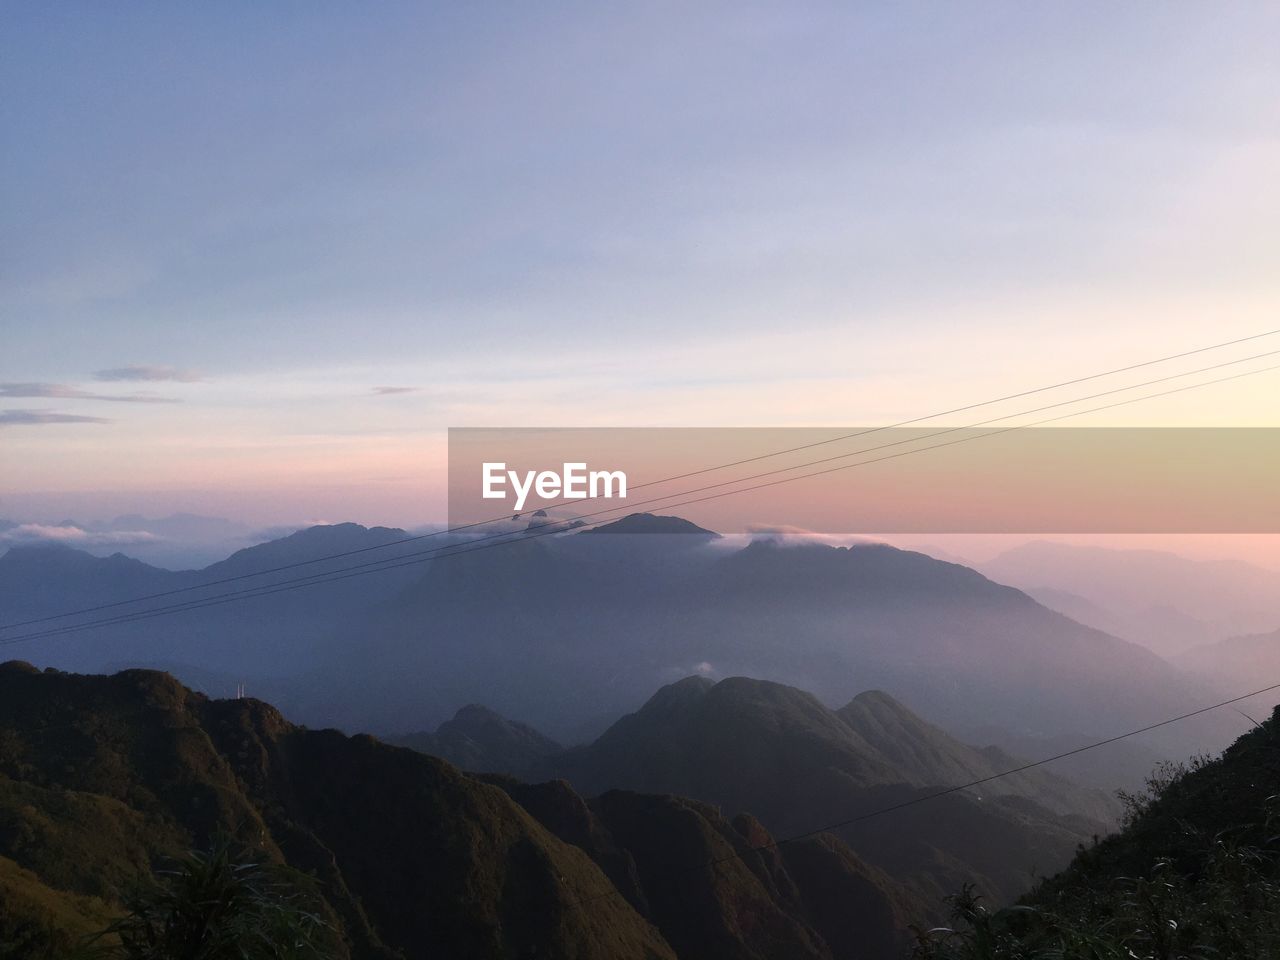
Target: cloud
(388,391)
(42,533)
(138,371)
(11,417)
(782,529)
(785,534)
(62,391)
(704,668)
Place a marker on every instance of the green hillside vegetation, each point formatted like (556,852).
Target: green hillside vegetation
(1195,873)
(720,888)
(220,906)
(104,780)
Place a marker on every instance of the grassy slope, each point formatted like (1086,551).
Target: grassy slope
(104,776)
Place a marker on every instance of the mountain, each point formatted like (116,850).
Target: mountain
(481,741)
(1238,663)
(811,897)
(1161,600)
(564,631)
(927,756)
(754,745)
(259,639)
(176,542)
(305,546)
(1194,873)
(650,523)
(102,777)
(559,630)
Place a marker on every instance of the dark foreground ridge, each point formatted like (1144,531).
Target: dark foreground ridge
(102,778)
(1194,873)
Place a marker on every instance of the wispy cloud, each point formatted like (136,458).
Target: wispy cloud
(12,417)
(139,371)
(388,391)
(62,391)
(43,533)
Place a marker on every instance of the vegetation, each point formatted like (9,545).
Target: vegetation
(103,777)
(1194,875)
(215,906)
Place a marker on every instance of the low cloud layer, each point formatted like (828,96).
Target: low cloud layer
(144,372)
(37,417)
(31,533)
(63,391)
(389,391)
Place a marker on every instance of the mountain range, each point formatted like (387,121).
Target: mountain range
(743,744)
(1164,601)
(776,751)
(1237,663)
(572,631)
(102,778)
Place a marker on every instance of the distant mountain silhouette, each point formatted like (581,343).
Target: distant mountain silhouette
(102,777)
(1238,664)
(651,523)
(258,640)
(306,545)
(481,741)
(562,631)
(1167,602)
(754,745)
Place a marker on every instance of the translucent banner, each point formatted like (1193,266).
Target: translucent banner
(875,480)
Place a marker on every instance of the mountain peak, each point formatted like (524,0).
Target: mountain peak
(678,694)
(482,740)
(880,698)
(653,523)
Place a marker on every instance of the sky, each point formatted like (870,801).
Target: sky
(256,259)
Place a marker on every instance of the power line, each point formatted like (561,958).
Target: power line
(556,527)
(705,470)
(894,807)
(948,791)
(992,433)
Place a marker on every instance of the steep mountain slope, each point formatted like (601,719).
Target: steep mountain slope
(102,777)
(805,898)
(1194,873)
(481,741)
(927,756)
(754,745)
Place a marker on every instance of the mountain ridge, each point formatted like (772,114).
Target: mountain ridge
(102,777)
(756,745)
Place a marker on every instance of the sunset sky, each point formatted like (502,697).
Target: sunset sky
(257,258)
